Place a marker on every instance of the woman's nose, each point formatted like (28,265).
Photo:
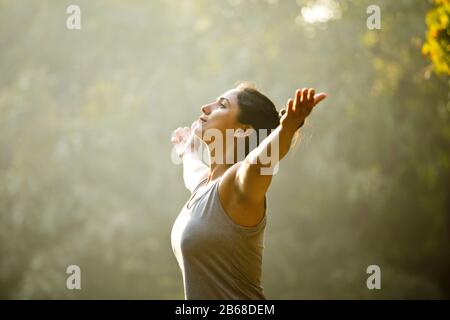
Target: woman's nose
(206,109)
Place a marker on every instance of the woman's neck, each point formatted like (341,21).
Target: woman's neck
(217,170)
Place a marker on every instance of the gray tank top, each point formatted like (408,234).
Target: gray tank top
(219,259)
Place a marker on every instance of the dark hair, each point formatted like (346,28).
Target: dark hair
(257,110)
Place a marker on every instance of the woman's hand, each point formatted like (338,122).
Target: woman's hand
(186,144)
(299,109)
(184,139)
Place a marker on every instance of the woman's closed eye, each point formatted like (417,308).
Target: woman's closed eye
(220,101)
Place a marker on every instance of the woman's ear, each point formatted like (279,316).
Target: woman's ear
(244,132)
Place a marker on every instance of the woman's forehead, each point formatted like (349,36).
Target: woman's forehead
(230,95)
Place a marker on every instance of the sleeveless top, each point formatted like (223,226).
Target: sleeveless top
(219,259)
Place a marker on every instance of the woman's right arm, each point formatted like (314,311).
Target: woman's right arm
(187,147)
(194,170)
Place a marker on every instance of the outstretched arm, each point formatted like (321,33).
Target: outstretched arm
(250,184)
(187,147)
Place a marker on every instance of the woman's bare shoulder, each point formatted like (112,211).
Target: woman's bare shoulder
(232,202)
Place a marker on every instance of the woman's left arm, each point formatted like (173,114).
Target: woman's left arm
(255,173)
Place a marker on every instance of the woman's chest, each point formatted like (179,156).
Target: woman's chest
(196,232)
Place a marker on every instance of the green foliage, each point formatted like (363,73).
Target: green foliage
(437,45)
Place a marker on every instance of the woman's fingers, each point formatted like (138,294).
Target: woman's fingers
(305,99)
(296,102)
(180,135)
(319,97)
(187,131)
(175,134)
(304,96)
(290,106)
(311,96)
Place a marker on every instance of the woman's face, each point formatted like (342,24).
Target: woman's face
(220,114)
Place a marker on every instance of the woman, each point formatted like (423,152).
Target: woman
(218,237)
